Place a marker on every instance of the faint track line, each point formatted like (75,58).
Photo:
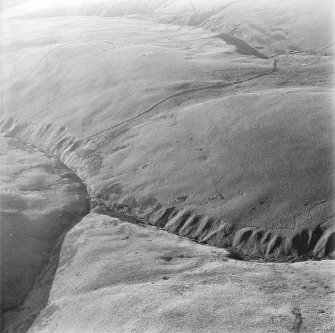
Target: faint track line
(180,93)
(35,67)
(39,63)
(278,224)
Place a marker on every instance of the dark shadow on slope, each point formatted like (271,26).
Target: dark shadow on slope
(241,46)
(22,316)
(31,245)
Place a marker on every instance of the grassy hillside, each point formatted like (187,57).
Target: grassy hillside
(180,130)
(184,130)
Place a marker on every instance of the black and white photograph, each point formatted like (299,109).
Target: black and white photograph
(167,166)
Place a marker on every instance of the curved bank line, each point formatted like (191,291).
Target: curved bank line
(180,93)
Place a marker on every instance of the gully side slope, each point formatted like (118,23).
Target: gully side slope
(115,276)
(271,26)
(178,130)
(40,200)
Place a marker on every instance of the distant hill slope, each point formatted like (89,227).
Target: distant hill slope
(271,26)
